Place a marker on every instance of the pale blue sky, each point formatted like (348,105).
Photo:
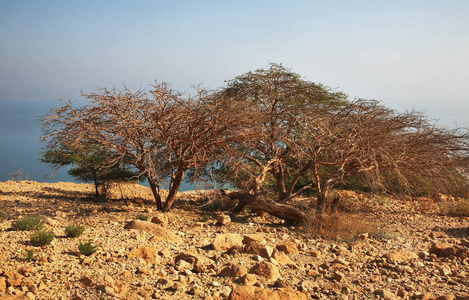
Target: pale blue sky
(405,53)
(408,54)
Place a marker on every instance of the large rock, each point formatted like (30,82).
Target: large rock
(258,249)
(233,270)
(223,220)
(255,237)
(254,293)
(400,255)
(224,242)
(158,232)
(282,258)
(287,247)
(13,278)
(148,253)
(266,269)
(192,258)
(3,284)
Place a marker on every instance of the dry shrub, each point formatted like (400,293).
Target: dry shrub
(213,200)
(457,208)
(352,202)
(340,226)
(425,205)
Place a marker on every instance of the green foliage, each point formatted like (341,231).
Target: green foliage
(28,223)
(141,217)
(1,215)
(41,238)
(204,218)
(29,255)
(87,249)
(74,231)
(89,164)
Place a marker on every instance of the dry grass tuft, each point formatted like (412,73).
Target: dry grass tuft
(457,208)
(342,227)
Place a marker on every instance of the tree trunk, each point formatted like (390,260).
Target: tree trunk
(156,194)
(282,211)
(173,189)
(280,181)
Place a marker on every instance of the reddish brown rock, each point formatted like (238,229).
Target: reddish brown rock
(160,219)
(233,270)
(266,269)
(223,220)
(226,241)
(259,238)
(401,255)
(255,293)
(248,279)
(13,278)
(282,258)
(258,249)
(287,247)
(3,284)
(148,253)
(446,297)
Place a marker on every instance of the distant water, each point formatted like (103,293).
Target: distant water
(20,145)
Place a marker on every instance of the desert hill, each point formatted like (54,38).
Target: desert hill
(377,248)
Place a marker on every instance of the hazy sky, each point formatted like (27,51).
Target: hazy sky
(404,53)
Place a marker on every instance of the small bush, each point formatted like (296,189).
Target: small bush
(28,223)
(458,208)
(74,231)
(41,238)
(29,255)
(1,215)
(87,249)
(204,218)
(340,227)
(141,217)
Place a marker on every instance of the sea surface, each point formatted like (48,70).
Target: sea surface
(20,146)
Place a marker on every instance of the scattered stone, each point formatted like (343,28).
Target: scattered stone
(226,241)
(244,292)
(159,233)
(400,255)
(265,269)
(259,249)
(259,238)
(148,253)
(233,270)
(282,258)
(446,297)
(287,247)
(160,219)
(13,278)
(223,220)
(248,279)
(385,294)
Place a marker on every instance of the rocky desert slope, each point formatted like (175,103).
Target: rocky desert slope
(394,249)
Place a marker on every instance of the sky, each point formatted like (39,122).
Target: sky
(406,54)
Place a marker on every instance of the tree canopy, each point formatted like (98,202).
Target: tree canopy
(264,132)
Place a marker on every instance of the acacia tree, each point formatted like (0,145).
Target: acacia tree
(364,137)
(160,133)
(276,96)
(89,165)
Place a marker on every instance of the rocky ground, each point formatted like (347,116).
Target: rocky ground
(405,250)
